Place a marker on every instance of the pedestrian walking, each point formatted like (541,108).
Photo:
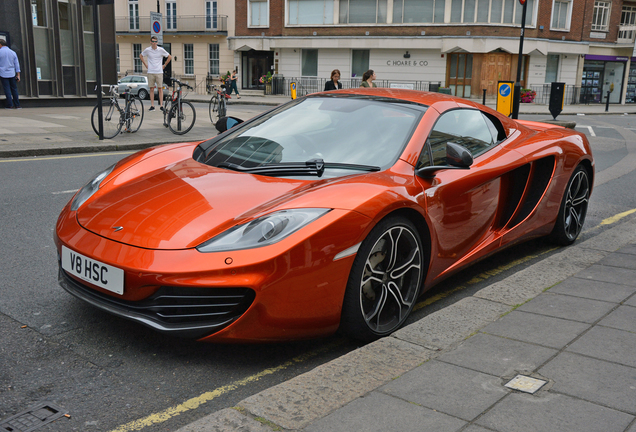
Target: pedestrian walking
(333,83)
(10,75)
(154,55)
(367,79)
(233,81)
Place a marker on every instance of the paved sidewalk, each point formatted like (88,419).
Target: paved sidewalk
(568,321)
(65,130)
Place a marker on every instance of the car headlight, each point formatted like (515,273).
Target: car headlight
(263,231)
(90,188)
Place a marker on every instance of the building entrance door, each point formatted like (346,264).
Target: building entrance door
(495,67)
(255,64)
(460,73)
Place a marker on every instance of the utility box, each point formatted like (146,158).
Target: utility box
(557,99)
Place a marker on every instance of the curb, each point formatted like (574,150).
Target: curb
(296,403)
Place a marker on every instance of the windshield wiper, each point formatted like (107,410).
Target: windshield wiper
(311,167)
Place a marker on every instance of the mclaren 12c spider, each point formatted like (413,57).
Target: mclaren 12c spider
(334,211)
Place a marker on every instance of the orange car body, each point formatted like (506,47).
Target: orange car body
(167,204)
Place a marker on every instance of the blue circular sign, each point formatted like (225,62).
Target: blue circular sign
(504,90)
(156,26)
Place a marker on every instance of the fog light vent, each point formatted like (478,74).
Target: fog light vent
(32,419)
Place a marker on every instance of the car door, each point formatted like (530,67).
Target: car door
(462,204)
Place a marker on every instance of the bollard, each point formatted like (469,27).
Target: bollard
(484,100)
(607,102)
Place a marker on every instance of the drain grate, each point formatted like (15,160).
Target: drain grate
(33,418)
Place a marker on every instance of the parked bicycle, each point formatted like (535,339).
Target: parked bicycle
(114,116)
(218,102)
(178,114)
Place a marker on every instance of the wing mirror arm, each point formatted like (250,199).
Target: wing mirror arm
(457,157)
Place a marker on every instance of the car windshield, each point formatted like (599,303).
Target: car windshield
(341,134)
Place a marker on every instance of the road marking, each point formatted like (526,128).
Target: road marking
(195,402)
(37,158)
(617,217)
(64,192)
(589,128)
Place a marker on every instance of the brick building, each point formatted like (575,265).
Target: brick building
(467,45)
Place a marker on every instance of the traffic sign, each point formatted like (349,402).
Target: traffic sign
(504,97)
(156,28)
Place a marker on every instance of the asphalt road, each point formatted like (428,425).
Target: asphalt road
(108,373)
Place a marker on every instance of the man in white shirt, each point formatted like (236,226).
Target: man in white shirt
(154,55)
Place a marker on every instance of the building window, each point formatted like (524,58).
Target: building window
(211,15)
(363,11)
(38,13)
(136,59)
(561,15)
(89,44)
(213,50)
(188,58)
(171,15)
(600,20)
(310,11)
(259,13)
(359,62)
(133,14)
(552,68)
(309,62)
(628,19)
(118,63)
(424,11)
(491,11)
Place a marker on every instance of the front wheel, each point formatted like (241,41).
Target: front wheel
(110,119)
(384,281)
(214,109)
(573,208)
(143,94)
(181,121)
(135,115)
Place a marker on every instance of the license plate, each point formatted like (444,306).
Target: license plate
(100,274)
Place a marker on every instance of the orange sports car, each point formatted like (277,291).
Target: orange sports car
(333,211)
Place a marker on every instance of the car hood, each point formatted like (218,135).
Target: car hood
(185,204)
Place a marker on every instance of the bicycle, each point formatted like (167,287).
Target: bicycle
(178,114)
(218,102)
(114,117)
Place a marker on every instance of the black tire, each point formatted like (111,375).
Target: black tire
(135,115)
(573,208)
(223,107)
(143,94)
(180,122)
(111,119)
(214,109)
(385,280)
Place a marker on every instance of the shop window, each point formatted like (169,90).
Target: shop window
(309,62)
(136,60)
(600,19)
(552,68)
(259,13)
(363,11)
(418,11)
(89,44)
(118,63)
(359,62)
(38,13)
(310,11)
(188,59)
(561,15)
(213,59)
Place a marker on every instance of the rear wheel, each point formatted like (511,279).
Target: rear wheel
(384,281)
(214,109)
(110,117)
(143,94)
(573,208)
(135,115)
(181,121)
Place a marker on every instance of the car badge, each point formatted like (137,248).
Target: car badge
(118,228)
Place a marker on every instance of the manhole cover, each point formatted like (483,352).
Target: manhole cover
(526,384)
(32,419)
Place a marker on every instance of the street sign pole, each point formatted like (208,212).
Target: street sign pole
(517,93)
(98,70)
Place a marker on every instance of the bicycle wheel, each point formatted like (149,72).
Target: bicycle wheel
(214,109)
(111,119)
(181,122)
(167,107)
(135,115)
(223,107)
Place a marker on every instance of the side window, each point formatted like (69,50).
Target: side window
(126,79)
(467,127)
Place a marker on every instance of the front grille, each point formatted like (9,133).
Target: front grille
(188,312)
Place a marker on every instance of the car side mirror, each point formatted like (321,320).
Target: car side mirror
(225,123)
(457,157)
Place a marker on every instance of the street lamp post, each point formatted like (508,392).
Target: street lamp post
(516,98)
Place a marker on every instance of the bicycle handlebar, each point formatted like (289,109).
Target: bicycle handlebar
(182,84)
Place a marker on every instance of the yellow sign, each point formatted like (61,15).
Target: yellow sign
(293,90)
(505,90)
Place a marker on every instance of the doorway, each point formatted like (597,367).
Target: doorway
(460,74)
(255,64)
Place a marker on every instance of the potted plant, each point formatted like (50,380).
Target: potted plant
(527,95)
(267,80)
